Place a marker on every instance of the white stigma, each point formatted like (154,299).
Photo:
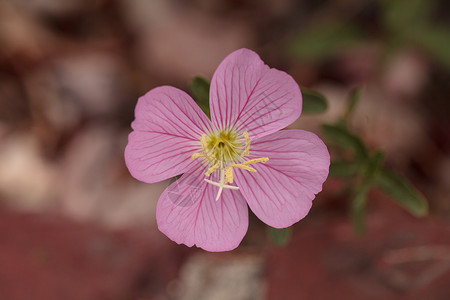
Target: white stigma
(221,184)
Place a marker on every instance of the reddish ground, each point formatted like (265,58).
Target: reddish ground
(400,257)
(52,258)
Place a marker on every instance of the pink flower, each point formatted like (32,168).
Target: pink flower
(240,157)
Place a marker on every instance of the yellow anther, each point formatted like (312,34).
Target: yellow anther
(224,150)
(197,155)
(206,152)
(229,174)
(204,141)
(247,144)
(212,169)
(241,166)
(256,160)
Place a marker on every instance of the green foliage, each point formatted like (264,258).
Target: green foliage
(313,102)
(402,16)
(200,91)
(435,40)
(373,165)
(353,99)
(344,168)
(358,204)
(280,237)
(365,171)
(405,23)
(357,207)
(402,192)
(323,41)
(408,21)
(342,137)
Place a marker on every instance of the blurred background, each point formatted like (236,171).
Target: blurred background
(75,225)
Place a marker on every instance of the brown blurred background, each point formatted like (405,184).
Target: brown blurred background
(75,225)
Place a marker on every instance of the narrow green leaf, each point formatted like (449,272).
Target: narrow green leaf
(322,41)
(344,168)
(401,190)
(373,166)
(352,101)
(313,102)
(358,206)
(280,237)
(200,91)
(344,138)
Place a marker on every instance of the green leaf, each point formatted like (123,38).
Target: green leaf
(358,206)
(435,40)
(352,101)
(344,168)
(402,192)
(345,139)
(373,166)
(280,237)
(322,41)
(400,16)
(313,102)
(200,91)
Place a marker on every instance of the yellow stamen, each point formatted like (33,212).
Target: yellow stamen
(229,174)
(206,152)
(204,141)
(256,160)
(197,155)
(241,166)
(247,144)
(221,150)
(212,169)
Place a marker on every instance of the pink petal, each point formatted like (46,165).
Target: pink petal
(280,193)
(247,95)
(167,131)
(188,213)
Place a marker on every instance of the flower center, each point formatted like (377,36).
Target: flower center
(224,151)
(221,147)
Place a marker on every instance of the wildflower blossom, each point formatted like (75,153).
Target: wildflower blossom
(239,157)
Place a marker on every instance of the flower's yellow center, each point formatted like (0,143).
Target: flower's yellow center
(224,151)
